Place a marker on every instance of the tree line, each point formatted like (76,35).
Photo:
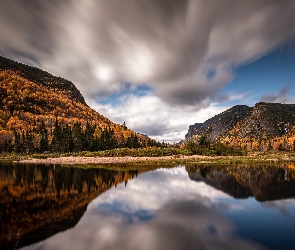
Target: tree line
(70,138)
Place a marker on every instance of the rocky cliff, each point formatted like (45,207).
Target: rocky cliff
(264,126)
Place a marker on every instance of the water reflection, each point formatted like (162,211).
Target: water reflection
(162,209)
(180,208)
(184,223)
(38,201)
(263,182)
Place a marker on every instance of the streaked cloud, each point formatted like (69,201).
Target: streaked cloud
(185,52)
(280,97)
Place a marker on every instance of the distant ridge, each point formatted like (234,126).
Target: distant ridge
(262,127)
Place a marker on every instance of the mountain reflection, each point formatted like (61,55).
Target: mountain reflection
(265,183)
(38,201)
(178,208)
(158,210)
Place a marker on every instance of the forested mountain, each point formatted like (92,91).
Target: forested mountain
(265,126)
(41,112)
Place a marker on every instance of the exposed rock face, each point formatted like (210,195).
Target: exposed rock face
(268,120)
(221,123)
(266,125)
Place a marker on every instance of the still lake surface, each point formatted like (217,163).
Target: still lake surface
(234,207)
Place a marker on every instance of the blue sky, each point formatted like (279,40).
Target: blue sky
(158,65)
(266,76)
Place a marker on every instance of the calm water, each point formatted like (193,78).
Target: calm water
(53,207)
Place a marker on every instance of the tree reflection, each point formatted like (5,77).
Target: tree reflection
(263,182)
(38,201)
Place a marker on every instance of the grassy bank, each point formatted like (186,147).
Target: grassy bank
(151,158)
(120,152)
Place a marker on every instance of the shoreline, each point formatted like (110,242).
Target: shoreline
(272,158)
(107,160)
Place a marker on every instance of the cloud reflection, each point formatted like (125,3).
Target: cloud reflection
(184,223)
(162,209)
(283,206)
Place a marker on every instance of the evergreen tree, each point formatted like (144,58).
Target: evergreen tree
(136,143)
(44,143)
(29,142)
(17,142)
(77,136)
(108,139)
(56,143)
(67,140)
(88,137)
(124,126)
(129,143)
(132,142)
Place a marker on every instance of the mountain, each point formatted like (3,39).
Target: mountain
(241,182)
(218,124)
(31,99)
(264,126)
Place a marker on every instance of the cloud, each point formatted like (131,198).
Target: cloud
(148,114)
(172,46)
(281,97)
(230,96)
(184,52)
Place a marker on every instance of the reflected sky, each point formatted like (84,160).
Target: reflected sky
(164,209)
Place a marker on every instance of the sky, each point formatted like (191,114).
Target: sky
(158,65)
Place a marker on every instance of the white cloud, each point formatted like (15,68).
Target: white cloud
(167,45)
(170,46)
(150,115)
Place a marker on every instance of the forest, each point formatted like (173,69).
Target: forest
(70,138)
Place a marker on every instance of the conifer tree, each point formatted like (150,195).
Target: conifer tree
(77,135)
(56,143)
(17,142)
(44,144)
(67,140)
(88,137)
(29,142)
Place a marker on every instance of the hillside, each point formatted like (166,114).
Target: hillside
(218,124)
(265,126)
(32,101)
